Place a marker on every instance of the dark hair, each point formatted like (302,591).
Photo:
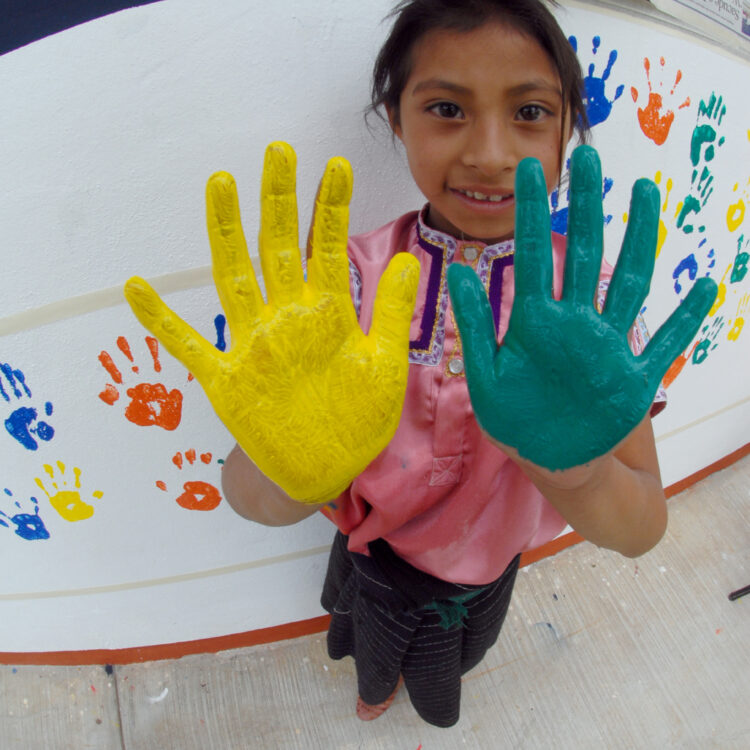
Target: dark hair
(415,18)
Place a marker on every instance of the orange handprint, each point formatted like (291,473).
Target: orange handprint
(197,495)
(656,120)
(151,403)
(677,366)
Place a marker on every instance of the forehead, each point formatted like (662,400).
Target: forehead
(494,54)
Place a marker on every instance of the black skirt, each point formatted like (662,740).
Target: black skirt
(397,620)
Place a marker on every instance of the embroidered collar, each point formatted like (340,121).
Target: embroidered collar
(447,242)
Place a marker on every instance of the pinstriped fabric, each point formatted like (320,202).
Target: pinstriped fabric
(390,630)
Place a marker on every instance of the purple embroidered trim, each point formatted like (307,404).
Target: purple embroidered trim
(495,292)
(491,268)
(434,289)
(601,294)
(428,348)
(355,285)
(493,260)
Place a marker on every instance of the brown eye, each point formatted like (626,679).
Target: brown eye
(447,110)
(532,113)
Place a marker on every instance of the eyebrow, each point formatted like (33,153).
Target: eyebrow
(522,88)
(439,83)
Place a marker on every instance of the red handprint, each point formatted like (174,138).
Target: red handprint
(151,403)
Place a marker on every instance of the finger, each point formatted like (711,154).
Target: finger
(328,266)
(632,275)
(678,331)
(394,304)
(278,239)
(533,258)
(178,338)
(474,320)
(232,270)
(583,258)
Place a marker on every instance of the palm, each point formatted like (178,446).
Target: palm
(307,379)
(564,386)
(307,395)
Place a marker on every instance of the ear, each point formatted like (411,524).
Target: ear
(394,121)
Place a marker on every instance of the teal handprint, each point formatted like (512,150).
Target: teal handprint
(564,386)
(703,144)
(739,268)
(708,343)
(710,115)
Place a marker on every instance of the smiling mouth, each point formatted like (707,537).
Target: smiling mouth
(487,198)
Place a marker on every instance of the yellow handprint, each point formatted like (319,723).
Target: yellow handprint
(308,396)
(739,321)
(662,236)
(68,503)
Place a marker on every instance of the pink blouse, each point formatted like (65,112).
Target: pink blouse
(446,499)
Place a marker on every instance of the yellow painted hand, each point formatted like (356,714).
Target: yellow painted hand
(308,397)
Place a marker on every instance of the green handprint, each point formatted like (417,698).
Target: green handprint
(564,386)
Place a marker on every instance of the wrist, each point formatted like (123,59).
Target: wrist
(575,480)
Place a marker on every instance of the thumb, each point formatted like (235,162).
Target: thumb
(679,329)
(394,302)
(178,338)
(474,319)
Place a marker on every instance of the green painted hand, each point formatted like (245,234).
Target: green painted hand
(564,386)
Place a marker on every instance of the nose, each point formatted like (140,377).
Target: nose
(489,147)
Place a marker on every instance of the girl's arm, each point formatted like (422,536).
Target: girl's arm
(615,501)
(564,388)
(276,380)
(254,496)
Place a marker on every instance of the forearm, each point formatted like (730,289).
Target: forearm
(616,501)
(257,498)
(619,508)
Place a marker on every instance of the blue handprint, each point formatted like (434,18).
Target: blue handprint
(690,265)
(559,214)
(22,424)
(220,323)
(29,526)
(598,106)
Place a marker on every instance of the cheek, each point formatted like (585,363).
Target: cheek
(551,163)
(425,167)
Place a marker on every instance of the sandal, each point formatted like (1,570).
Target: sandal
(367,712)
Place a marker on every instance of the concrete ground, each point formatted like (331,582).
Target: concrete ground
(598,652)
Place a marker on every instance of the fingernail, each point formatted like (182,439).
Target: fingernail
(336,186)
(530,181)
(220,191)
(280,167)
(585,169)
(646,195)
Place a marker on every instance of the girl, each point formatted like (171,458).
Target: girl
(432,519)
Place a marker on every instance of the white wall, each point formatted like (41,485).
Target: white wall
(110,130)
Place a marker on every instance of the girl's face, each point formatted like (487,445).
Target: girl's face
(475,104)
